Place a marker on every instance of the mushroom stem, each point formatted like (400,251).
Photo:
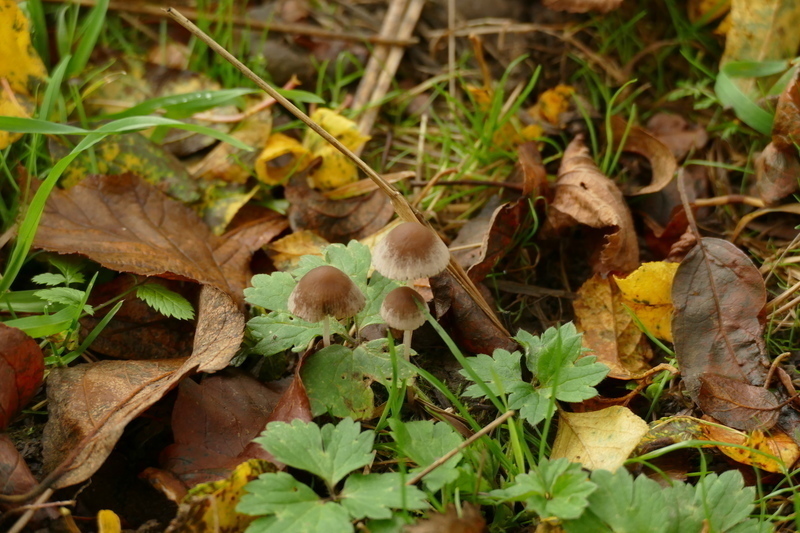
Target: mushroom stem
(326,331)
(407,344)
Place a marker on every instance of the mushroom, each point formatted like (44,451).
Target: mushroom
(401,310)
(410,251)
(324,292)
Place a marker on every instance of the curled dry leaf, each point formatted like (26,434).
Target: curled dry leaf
(21,371)
(776,173)
(599,439)
(737,404)
(609,331)
(756,448)
(584,195)
(639,141)
(128,225)
(718,296)
(16,477)
(90,404)
(786,128)
(677,134)
(583,6)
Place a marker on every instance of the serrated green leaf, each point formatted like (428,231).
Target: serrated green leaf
(271,291)
(424,442)
(64,295)
(69,266)
(375,495)
(534,405)
(290,506)
(165,301)
(50,279)
(724,500)
(551,489)
(330,452)
(501,372)
(279,331)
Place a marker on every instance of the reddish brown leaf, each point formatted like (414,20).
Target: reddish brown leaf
(585,196)
(336,220)
(639,141)
(534,175)
(128,225)
(786,127)
(91,404)
(718,296)
(737,404)
(16,477)
(470,521)
(777,173)
(677,134)
(21,371)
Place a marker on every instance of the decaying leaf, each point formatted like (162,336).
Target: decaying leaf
(469,521)
(773,452)
(20,65)
(286,252)
(599,439)
(552,103)
(127,225)
(648,291)
(281,157)
(584,195)
(778,166)
(90,404)
(16,477)
(336,168)
(608,329)
(641,142)
(718,296)
(21,372)
(785,129)
(737,404)
(583,6)
(677,134)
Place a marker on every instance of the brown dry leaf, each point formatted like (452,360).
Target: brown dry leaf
(470,521)
(648,291)
(718,295)
(677,134)
(776,173)
(90,404)
(608,329)
(639,141)
(583,195)
(737,404)
(336,220)
(599,439)
(16,477)
(786,127)
(583,6)
(286,252)
(21,372)
(20,65)
(128,225)
(775,452)
(791,209)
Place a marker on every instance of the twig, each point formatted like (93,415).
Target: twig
(446,457)
(26,517)
(239,20)
(401,206)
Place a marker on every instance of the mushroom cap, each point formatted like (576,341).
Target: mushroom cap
(325,291)
(410,251)
(400,311)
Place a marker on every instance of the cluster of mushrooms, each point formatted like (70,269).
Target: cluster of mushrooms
(410,251)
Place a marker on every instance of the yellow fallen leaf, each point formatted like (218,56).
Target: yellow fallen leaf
(336,169)
(774,453)
(286,252)
(648,293)
(281,156)
(10,107)
(108,522)
(552,103)
(20,65)
(599,439)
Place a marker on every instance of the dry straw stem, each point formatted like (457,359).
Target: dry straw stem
(399,203)
(243,21)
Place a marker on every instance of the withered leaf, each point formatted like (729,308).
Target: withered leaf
(90,404)
(128,225)
(641,142)
(776,173)
(16,477)
(583,6)
(584,195)
(21,371)
(470,521)
(677,134)
(718,295)
(786,127)
(336,220)
(737,404)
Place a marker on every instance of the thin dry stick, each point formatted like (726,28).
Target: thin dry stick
(446,457)
(26,517)
(399,203)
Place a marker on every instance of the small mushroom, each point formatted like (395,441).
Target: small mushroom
(324,292)
(400,310)
(410,251)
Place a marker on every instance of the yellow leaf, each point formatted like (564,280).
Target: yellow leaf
(599,439)
(212,506)
(552,103)
(10,107)
(108,522)
(773,453)
(648,292)
(282,156)
(286,252)
(336,169)
(19,62)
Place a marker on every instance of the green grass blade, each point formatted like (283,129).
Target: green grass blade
(747,110)
(90,32)
(182,105)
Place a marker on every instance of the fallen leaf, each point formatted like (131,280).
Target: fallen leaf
(16,477)
(785,129)
(11,106)
(737,404)
(212,506)
(108,522)
(599,440)
(20,65)
(281,157)
(336,168)
(90,404)
(584,195)
(583,6)
(608,329)
(776,452)
(127,225)
(21,372)
(791,209)
(286,252)
(677,134)
(639,141)
(648,291)
(718,295)
(552,103)
(469,520)
(776,173)
(335,220)
(669,430)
